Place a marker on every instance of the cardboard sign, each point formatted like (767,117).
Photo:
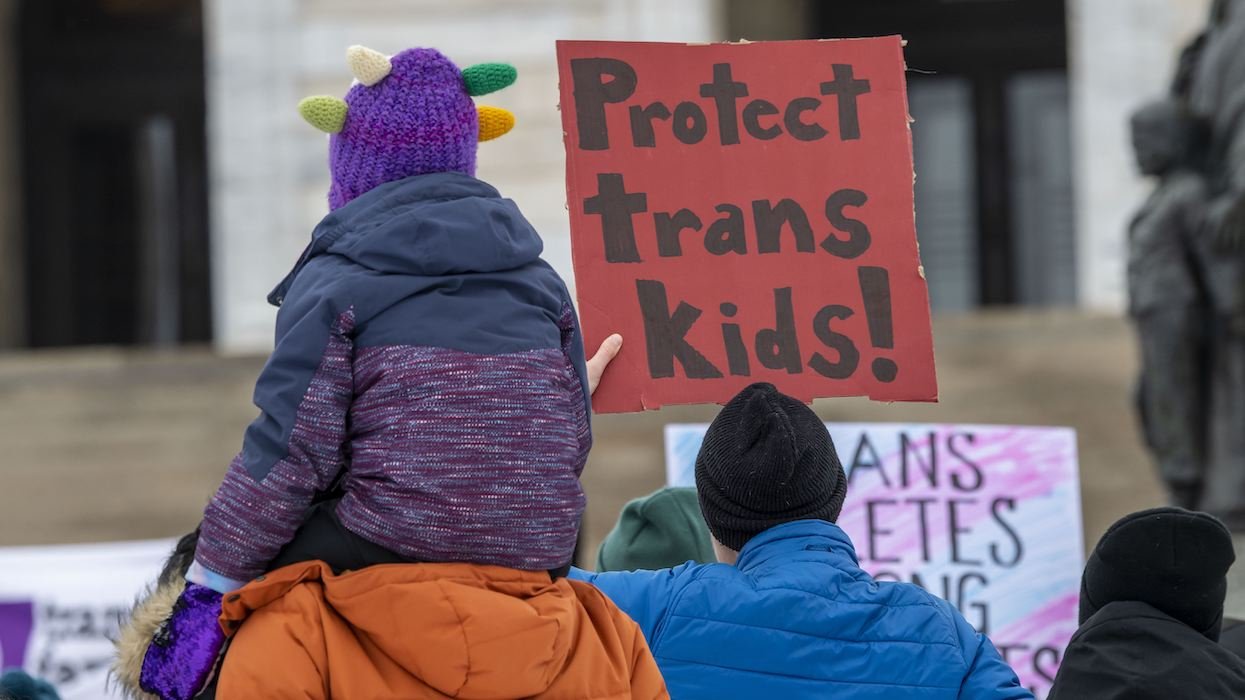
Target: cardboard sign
(742,213)
(60,608)
(986,517)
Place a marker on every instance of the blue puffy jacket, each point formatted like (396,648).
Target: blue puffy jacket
(796,617)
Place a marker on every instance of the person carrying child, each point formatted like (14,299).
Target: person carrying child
(428,367)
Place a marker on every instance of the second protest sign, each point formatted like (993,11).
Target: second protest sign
(744,212)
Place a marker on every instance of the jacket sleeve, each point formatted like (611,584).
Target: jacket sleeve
(644,595)
(295,448)
(573,349)
(988,677)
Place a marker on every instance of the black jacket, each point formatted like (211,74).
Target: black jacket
(1132,651)
(1233,636)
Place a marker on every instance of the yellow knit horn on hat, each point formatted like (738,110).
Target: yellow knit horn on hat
(494,122)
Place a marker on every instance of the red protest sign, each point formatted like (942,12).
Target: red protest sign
(743,212)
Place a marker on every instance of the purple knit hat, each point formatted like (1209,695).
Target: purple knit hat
(409,114)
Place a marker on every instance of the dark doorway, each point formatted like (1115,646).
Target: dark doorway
(989,91)
(114,163)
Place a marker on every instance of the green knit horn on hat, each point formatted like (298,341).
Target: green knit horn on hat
(328,114)
(483,78)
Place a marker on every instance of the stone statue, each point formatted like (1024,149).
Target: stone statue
(1193,382)
(1215,93)
(1165,300)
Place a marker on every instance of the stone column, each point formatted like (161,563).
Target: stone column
(774,20)
(1119,57)
(268,169)
(12,249)
(252,93)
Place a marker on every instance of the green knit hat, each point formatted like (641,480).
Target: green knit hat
(660,530)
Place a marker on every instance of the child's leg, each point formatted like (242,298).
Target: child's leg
(322,537)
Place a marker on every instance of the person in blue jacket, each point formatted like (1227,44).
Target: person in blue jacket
(788,612)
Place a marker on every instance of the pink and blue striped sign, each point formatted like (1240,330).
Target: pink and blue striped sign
(987,517)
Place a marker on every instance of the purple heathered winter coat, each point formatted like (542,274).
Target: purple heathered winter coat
(426,354)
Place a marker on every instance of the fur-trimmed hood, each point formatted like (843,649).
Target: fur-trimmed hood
(149,612)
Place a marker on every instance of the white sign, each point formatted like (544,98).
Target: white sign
(60,608)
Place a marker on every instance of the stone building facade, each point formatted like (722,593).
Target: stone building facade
(266,175)
(268,167)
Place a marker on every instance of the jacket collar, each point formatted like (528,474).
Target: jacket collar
(1137,610)
(791,538)
(377,201)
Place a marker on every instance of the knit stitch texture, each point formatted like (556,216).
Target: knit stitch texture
(766,460)
(417,120)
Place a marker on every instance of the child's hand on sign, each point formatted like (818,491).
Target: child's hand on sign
(605,354)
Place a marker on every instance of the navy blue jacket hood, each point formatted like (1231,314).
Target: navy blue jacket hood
(427,225)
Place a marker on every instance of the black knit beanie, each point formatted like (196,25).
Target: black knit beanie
(1170,558)
(766,460)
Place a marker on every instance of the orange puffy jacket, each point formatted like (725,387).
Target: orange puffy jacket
(430,631)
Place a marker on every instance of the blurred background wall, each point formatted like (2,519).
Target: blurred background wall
(269,174)
(155,179)
(1117,59)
